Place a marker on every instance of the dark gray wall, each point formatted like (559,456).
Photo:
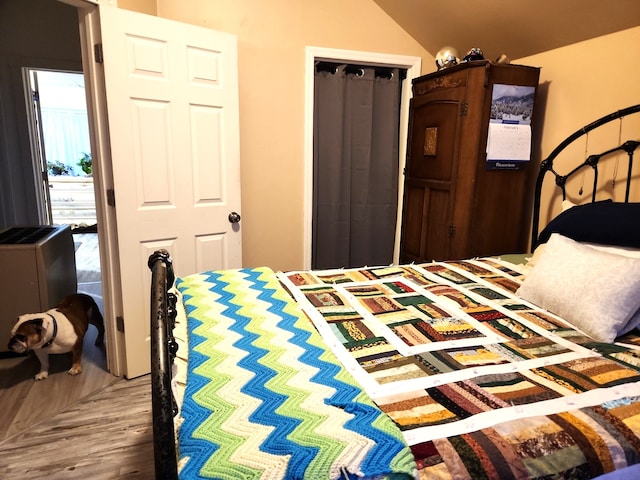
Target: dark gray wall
(38,34)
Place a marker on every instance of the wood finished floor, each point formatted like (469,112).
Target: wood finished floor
(106,435)
(88,426)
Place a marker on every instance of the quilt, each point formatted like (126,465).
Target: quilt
(265,398)
(481,383)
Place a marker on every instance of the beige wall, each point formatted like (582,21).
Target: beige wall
(141,6)
(272,36)
(581,83)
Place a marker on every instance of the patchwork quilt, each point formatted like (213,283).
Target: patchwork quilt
(433,371)
(481,383)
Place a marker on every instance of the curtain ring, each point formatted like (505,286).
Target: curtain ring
(354,70)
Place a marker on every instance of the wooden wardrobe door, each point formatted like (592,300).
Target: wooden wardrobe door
(456,204)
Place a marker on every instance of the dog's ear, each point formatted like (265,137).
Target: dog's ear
(37,325)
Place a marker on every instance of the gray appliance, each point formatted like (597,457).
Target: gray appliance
(37,269)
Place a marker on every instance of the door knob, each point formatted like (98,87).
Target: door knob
(234,217)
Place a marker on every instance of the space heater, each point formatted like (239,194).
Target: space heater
(38,269)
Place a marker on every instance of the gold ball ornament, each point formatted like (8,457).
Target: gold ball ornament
(447,57)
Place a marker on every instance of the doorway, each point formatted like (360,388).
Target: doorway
(61,146)
(61,150)
(355,191)
(412,65)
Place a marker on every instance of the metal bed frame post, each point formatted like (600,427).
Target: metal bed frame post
(163,352)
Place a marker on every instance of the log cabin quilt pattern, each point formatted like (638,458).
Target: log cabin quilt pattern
(481,383)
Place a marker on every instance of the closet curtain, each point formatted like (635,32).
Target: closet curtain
(355,165)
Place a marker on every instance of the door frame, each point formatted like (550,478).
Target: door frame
(36,140)
(413,65)
(89,26)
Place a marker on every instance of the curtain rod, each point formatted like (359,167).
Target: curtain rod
(358,69)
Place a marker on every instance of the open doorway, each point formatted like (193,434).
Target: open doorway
(61,145)
(61,150)
(412,66)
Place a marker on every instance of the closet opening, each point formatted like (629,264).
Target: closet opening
(373,67)
(355,163)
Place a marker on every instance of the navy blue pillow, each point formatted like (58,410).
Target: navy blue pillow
(606,223)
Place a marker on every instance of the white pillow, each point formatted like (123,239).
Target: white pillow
(631,324)
(624,251)
(597,292)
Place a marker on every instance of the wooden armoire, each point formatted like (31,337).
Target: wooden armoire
(456,203)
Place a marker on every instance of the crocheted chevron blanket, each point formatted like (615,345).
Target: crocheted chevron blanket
(265,398)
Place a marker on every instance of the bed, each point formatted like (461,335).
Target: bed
(499,367)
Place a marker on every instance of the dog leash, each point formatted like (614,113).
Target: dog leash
(55,331)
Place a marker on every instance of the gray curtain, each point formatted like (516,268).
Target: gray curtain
(355,165)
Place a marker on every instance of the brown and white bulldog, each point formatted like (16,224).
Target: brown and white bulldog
(58,330)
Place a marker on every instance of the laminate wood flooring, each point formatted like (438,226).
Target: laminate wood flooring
(89,426)
(107,435)
(26,402)
(87,257)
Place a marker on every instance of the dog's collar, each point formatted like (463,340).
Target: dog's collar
(55,331)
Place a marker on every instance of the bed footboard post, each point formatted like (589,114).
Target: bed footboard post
(163,351)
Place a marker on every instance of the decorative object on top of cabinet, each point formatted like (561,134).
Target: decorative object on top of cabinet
(447,57)
(456,203)
(473,54)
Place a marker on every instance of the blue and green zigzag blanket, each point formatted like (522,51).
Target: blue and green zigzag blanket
(265,398)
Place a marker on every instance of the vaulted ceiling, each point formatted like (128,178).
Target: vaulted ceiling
(516,28)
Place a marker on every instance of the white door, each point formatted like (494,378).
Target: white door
(172,102)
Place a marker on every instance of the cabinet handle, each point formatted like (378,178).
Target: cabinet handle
(452,231)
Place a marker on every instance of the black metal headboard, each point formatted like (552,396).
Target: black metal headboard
(591,161)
